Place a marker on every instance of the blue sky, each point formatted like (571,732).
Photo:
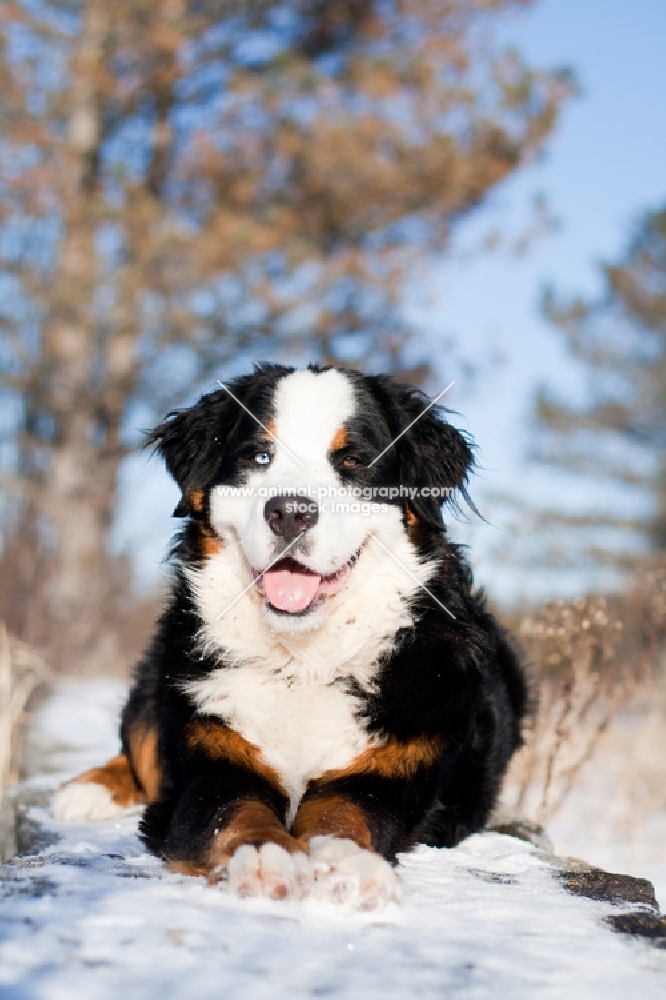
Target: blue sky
(604,166)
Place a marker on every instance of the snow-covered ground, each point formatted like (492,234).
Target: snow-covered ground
(612,841)
(615,817)
(95,917)
(615,814)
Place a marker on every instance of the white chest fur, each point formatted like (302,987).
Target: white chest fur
(285,693)
(302,728)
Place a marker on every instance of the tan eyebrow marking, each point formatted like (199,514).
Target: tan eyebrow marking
(340,439)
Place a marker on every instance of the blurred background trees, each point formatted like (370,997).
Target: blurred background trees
(190,186)
(187,183)
(617,436)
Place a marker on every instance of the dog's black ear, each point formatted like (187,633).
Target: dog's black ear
(431,453)
(192,443)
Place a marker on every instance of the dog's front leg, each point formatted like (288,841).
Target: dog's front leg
(354,821)
(228,822)
(236,835)
(346,834)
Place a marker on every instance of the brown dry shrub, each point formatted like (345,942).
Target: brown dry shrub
(588,660)
(22,671)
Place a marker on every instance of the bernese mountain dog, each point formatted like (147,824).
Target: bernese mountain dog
(325,688)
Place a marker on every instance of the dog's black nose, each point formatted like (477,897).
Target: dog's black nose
(289,517)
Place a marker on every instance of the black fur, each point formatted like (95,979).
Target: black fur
(458,678)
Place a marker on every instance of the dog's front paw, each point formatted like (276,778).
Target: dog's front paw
(82,801)
(347,874)
(269,871)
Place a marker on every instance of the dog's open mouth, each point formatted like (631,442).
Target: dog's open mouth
(293,589)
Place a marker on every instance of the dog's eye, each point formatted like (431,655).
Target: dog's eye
(262,458)
(350,462)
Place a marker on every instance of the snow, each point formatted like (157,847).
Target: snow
(94,916)
(615,815)
(604,841)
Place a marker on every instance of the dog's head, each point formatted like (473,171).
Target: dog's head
(299,469)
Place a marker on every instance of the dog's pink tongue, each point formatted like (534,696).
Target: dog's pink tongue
(290,590)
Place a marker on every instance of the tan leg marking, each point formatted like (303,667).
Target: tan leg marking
(145,760)
(119,778)
(335,816)
(116,776)
(252,823)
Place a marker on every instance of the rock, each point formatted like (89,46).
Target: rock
(514,825)
(645,925)
(607,887)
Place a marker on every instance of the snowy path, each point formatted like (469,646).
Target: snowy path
(94,916)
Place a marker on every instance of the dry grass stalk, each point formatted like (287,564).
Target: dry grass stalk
(22,670)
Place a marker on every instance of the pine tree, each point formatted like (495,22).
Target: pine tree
(619,435)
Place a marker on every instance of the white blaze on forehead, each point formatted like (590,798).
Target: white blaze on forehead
(309,408)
